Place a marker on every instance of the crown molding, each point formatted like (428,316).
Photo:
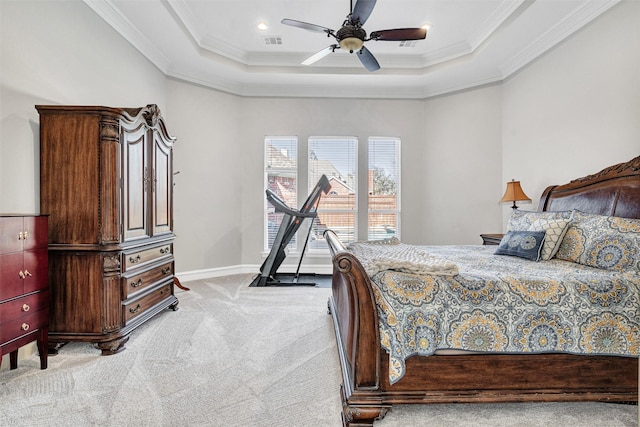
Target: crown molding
(183,15)
(568,26)
(111,14)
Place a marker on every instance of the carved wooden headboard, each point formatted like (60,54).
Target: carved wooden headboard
(614,191)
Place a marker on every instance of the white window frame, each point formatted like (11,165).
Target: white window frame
(268,208)
(312,180)
(398,173)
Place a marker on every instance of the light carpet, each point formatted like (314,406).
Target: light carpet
(237,356)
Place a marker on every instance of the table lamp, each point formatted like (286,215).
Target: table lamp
(514,194)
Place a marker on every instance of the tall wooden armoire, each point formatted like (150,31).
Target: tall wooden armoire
(106,182)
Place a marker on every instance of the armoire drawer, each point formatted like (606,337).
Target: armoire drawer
(29,322)
(137,258)
(18,307)
(138,306)
(131,285)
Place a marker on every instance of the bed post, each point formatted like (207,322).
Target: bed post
(355,320)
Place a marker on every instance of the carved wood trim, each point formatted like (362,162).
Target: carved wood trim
(630,168)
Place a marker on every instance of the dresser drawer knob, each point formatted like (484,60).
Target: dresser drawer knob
(24,327)
(134,260)
(166,270)
(25,307)
(164,250)
(26,273)
(21,274)
(135,310)
(136,284)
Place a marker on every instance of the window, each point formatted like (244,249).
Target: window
(281,176)
(335,157)
(383,181)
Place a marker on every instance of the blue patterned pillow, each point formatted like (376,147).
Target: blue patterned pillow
(605,242)
(523,244)
(555,224)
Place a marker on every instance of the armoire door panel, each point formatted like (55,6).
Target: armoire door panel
(135,185)
(162,187)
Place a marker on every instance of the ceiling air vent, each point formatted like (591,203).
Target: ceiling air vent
(407,43)
(272,40)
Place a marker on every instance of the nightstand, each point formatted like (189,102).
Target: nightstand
(491,239)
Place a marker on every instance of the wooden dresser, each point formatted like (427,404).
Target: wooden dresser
(24,294)
(106,180)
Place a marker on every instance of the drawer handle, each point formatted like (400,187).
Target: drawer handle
(21,274)
(166,270)
(25,307)
(134,260)
(164,250)
(26,273)
(24,327)
(20,236)
(136,284)
(134,310)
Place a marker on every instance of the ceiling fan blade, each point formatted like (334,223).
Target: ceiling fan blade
(399,34)
(306,26)
(368,60)
(319,55)
(362,9)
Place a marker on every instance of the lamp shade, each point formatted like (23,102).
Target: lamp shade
(514,193)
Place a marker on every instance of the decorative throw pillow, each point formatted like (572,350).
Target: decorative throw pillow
(554,224)
(523,244)
(606,242)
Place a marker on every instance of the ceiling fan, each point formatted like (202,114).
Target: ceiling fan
(351,36)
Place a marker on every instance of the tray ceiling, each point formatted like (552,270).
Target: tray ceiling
(217,43)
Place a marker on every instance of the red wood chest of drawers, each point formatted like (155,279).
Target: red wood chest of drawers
(24,290)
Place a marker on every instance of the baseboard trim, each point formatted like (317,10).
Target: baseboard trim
(187,276)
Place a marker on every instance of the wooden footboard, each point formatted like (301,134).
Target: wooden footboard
(367,394)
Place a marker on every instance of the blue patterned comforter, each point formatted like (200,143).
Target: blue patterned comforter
(505,304)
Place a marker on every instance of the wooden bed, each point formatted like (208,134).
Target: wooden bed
(366,391)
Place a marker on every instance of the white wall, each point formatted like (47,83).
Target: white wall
(577,109)
(572,112)
(462,167)
(325,117)
(209,157)
(59,53)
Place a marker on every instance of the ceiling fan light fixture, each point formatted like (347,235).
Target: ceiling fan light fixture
(351,44)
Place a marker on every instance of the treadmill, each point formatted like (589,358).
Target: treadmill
(291,222)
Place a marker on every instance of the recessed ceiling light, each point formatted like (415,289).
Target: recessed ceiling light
(262,26)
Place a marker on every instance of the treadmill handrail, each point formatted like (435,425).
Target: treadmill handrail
(280,206)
